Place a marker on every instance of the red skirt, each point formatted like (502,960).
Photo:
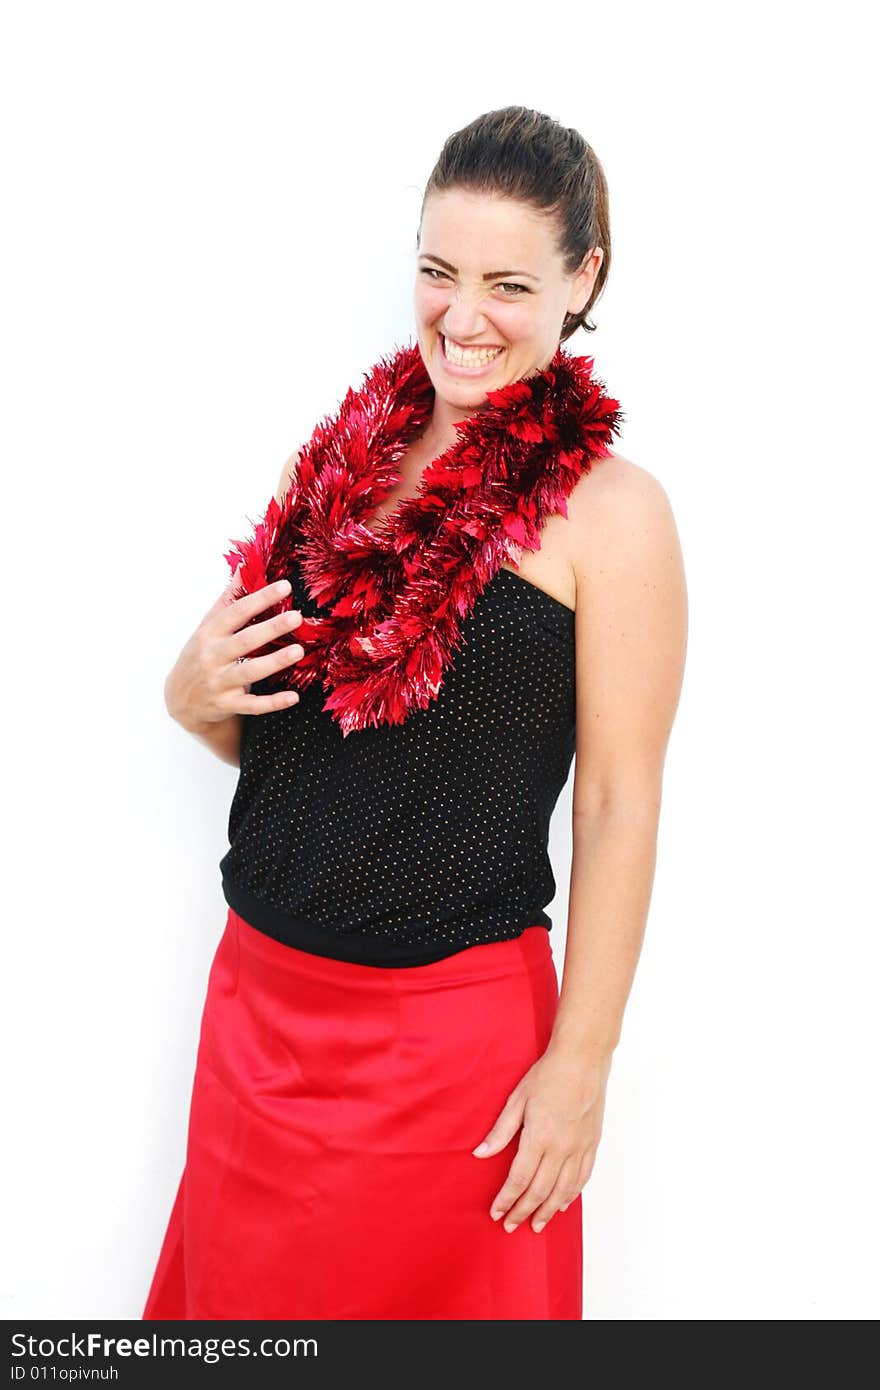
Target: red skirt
(329,1172)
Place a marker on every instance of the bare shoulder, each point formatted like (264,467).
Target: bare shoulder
(287,473)
(618,512)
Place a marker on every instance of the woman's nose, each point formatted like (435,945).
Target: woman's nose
(464,318)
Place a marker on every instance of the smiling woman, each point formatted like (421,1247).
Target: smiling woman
(495,325)
(458,589)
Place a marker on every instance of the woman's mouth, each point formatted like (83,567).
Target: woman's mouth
(468,362)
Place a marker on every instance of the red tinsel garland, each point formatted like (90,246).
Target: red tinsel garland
(396,597)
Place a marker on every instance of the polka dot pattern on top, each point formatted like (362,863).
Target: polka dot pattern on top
(402,844)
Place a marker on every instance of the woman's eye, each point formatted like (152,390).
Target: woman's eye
(432,271)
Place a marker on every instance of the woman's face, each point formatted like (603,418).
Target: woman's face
(488,276)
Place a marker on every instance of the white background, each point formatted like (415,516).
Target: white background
(209,232)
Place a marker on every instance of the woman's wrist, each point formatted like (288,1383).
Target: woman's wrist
(179,709)
(587,1046)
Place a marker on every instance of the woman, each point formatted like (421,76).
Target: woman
(395,1106)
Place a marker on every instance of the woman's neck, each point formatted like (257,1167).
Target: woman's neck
(440,433)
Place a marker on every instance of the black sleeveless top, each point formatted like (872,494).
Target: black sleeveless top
(402,844)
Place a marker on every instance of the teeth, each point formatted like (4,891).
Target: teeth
(472,357)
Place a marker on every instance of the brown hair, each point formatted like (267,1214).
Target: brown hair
(519,153)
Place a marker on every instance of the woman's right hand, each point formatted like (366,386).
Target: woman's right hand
(205,685)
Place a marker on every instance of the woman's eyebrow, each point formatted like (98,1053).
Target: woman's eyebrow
(490,274)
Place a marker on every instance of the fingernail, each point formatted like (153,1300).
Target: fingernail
(480,1149)
(510,1225)
(539,1226)
(496,1215)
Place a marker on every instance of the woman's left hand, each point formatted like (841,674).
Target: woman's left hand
(559,1103)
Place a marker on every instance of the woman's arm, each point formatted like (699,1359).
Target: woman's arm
(631,636)
(222,736)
